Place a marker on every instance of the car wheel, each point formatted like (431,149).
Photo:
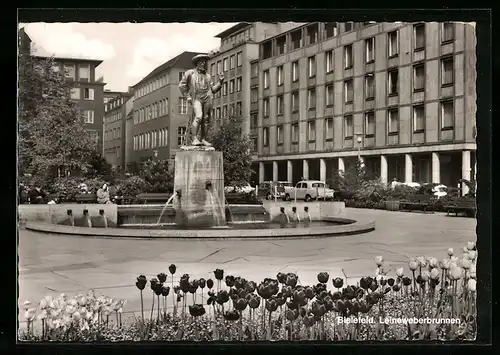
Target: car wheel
(308,198)
(269,197)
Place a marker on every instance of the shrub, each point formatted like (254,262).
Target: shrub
(66,188)
(401,192)
(130,188)
(372,190)
(157,175)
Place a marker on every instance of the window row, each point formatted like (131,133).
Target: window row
(88,116)
(70,71)
(115,133)
(234,85)
(79,92)
(153,139)
(228,63)
(227,111)
(111,103)
(151,111)
(418,125)
(152,85)
(113,118)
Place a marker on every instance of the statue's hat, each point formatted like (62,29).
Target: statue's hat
(199,57)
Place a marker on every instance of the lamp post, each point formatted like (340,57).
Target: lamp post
(359,140)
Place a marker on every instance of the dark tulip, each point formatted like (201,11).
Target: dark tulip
(292,315)
(348,292)
(232,316)
(309,292)
(348,304)
(406,281)
(219,274)
(179,297)
(328,304)
(299,295)
(336,296)
(177,289)
(141,282)
(222,297)
(286,291)
(391,281)
(360,293)
(239,282)
(153,282)
(292,305)
(373,286)
(210,283)
(248,296)
(322,294)
(303,311)
(383,282)
(158,289)
(172,268)
(242,293)
(419,279)
(291,280)
(396,287)
(250,286)
(309,320)
(165,290)
(303,302)
(365,283)
(323,277)
(229,281)
(233,294)
(162,277)
(321,287)
(271,305)
(196,283)
(280,301)
(355,306)
(341,305)
(197,310)
(202,283)
(338,282)
(281,278)
(254,302)
(193,286)
(240,304)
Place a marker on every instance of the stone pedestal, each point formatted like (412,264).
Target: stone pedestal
(199,176)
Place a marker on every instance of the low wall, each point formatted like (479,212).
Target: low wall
(58,213)
(317,210)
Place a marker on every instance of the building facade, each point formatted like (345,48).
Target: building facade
(160,113)
(114,129)
(400,96)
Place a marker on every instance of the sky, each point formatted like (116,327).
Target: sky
(129,51)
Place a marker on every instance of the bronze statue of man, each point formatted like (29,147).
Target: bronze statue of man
(198,88)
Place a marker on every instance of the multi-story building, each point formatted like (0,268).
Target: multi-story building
(87,92)
(160,112)
(109,95)
(114,129)
(129,134)
(400,96)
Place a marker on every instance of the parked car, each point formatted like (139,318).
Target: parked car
(308,190)
(271,189)
(437,190)
(239,187)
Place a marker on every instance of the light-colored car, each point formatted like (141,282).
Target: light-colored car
(242,187)
(308,190)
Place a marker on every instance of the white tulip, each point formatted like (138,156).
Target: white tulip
(434,273)
(472,254)
(413,265)
(399,272)
(450,252)
(379,260)
(432,262)
(471,285)
(77,316)
(466,264)
(425,275)
(465,250)
(471,245)
(455,273)
(445,264)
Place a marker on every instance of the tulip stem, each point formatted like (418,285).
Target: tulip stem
(152,308)
(174,311)
(158,317)
(142,307)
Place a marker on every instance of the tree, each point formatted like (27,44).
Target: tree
(52,135)
(157,175)
(99,167)
(236,149)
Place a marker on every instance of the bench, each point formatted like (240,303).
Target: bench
(462,205)
(86,198)
(159,197)
(414,202)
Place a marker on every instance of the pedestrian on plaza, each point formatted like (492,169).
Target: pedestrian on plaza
(307,217)
(283,218)
(103,194)
(294,218)
(394,183)
(37,196)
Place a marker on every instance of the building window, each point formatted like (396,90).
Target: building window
(181,75)
(312,34)
(226,64)
(231,62)
(88,94)
(447,71)
(265,134)
(419,77)
(254,120)
(295,101)
(238,84)
(329,129)
(212,70)
(224,88)
(393,43)
(84,72)
(255,145)
(311,66)
(329,61)
(280,75)
(69,71)
(224,111)
(280,104)
(279,134)
(311,131)
(369,86)
(280,45)
(369,50)
(348,127)
(266,79)
(217,113)
(182,106)
(447,32)
(348,91)
(329,95)
(266,107)
(348,57)
(254,70)
(232,112)
(296,39)
(75,93)
(419,36)
(267,50)
(181,136)
(447,115)
(239,61)
(330,29)
(418,118)
(89,116)
(219,67)
(393,82)
(254,95)
(393,121)
(295,133)
(369,124)
(238,108)
(348,26)
(231,86)
(311,99)
(295,71)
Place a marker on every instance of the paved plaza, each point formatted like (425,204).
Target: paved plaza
(55,264)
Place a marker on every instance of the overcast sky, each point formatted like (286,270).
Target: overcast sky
(129,50)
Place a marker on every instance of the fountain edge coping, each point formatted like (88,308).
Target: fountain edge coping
(300,233)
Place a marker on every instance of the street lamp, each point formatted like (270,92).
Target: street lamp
(359,140)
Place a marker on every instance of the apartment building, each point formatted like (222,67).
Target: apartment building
(239,46)
(110,95)
(114,129)
(400,96)
(160,114)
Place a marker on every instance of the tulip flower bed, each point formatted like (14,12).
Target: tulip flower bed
(232,308)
